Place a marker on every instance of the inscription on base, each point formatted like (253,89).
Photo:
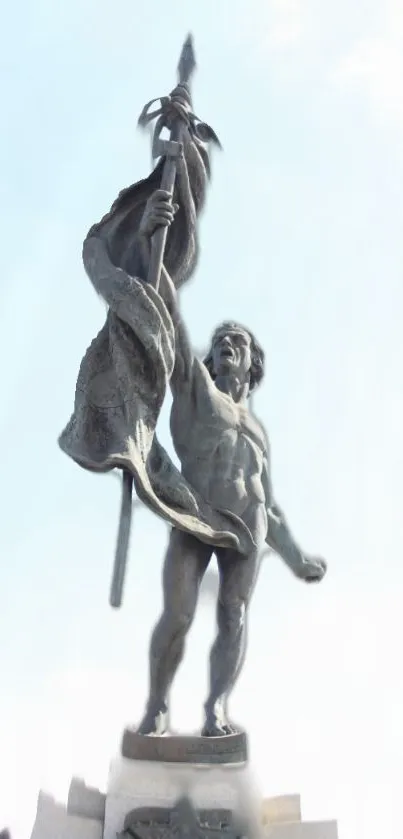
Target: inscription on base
(181,749)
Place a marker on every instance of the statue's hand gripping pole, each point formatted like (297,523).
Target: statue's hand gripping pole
(175,113)
(172,151)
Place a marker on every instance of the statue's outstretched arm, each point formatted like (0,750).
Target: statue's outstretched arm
(281,540)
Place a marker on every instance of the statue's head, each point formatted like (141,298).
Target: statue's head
(235,349)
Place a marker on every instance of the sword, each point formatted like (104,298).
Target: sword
(175,114)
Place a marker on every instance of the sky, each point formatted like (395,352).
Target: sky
(301,240)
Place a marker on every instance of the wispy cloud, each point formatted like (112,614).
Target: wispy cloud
(374,66)
(274,25)
(286,23)
(358,50)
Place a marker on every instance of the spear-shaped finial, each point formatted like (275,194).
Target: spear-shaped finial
(187,61)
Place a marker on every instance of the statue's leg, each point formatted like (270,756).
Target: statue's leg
(237,578)
(185,563)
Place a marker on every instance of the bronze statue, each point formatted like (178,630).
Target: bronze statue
(221,502)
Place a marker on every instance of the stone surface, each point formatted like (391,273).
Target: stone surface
(185,749)
(182,821)
(134,784)
(85,801)
(54,822)
(302,830)
(282,808)
(223,793)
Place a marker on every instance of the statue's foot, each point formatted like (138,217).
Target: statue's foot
(155,722)
(215,726)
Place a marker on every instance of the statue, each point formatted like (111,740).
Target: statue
(221,501)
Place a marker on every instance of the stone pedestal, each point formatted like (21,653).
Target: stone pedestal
(160,787)
(153,774)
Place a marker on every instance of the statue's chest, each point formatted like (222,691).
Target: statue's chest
(221,419)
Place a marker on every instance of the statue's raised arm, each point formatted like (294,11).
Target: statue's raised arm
(159,213)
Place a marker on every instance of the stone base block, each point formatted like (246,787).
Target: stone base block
(86,801)
(302,830)
(281,808)
(135,784)
(53,821)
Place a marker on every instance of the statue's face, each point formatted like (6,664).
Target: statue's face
(231,353)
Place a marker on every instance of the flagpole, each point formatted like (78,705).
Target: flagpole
(174,114)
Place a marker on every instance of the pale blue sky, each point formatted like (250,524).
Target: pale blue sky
(302,241)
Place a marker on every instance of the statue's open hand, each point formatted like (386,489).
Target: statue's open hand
(159,212)
(312,570)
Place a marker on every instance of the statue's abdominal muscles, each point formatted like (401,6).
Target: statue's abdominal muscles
(221,452)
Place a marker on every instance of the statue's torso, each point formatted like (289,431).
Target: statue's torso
(221,449)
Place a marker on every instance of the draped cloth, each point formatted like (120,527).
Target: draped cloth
(124,374)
